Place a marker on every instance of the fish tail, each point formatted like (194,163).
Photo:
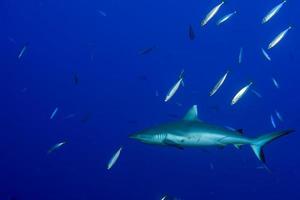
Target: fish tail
(181,76)
(257,144)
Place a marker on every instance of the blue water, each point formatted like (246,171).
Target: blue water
(116,96)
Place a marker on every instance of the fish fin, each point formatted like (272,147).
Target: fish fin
(258,143)
(240,131)
(172,144)
(181,76)
(192,114)
(238,146)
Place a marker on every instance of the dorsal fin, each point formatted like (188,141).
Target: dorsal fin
(192,114)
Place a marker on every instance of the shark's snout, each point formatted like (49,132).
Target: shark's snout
(133,136)
(142,137)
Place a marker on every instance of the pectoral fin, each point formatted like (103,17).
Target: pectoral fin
(173,144)
(238,146)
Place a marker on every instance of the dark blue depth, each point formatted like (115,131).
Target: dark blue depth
(115,94)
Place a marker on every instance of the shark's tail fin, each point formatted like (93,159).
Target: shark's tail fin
(258,143)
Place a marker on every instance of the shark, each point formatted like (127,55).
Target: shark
(192,132)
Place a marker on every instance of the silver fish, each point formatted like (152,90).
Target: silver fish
(219,84)
(275,82)
(211,14)
(174,89)
(241,55)
(54,113)
(164,197)
(273,121)
(278,38)
(240,94)
(256,93)
(102,13)
(225,18)
(55,147)
(114,159)
(266,54)
(22,52)
(72,115)
(278,115)
(272,12)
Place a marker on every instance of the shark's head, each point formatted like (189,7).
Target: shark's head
(159,135)
(150,136)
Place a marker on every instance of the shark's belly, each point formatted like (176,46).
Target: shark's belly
(205,139)
(197,140)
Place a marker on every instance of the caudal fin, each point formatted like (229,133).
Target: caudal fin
(258,143)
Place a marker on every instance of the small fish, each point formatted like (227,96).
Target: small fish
(260,167)
(102,13)
(54,113)
(146,50)
(114,159)
(70,116)
(55,147)
(211,14)
(178,104)
(275,82)
(278,115)
(278,38)
(191,33)
(266,54)
(272,12)
(219,84)
(273,121)
(241,55)
(256,93)
(156,93)
(164,197)
(225,18)
(174,89)
(240,94)
(22,51)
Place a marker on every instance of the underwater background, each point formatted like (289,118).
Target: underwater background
(84,58)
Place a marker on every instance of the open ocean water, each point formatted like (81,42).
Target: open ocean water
(84,75)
